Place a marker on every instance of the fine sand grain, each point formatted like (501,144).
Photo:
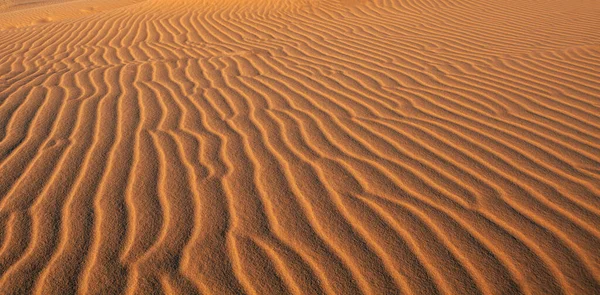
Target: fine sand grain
(300,146)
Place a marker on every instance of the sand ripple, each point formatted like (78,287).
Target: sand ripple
(300,146)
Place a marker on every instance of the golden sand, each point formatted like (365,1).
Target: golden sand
(300,146)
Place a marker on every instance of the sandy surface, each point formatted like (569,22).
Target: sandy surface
(300,146)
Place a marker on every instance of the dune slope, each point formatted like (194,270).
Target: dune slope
(300,146)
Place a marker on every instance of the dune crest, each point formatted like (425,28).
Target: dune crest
(300,146)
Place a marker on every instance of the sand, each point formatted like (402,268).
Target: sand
(300,146)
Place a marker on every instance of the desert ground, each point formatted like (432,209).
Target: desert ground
(299,147)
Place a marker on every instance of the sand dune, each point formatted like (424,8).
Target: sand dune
(300,146)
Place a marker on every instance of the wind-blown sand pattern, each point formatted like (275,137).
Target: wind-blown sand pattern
(300,146)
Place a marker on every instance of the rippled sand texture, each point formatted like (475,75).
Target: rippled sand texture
(300,146)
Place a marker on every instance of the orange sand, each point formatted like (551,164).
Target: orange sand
(300,146)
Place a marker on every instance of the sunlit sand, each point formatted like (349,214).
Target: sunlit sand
(300,146)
